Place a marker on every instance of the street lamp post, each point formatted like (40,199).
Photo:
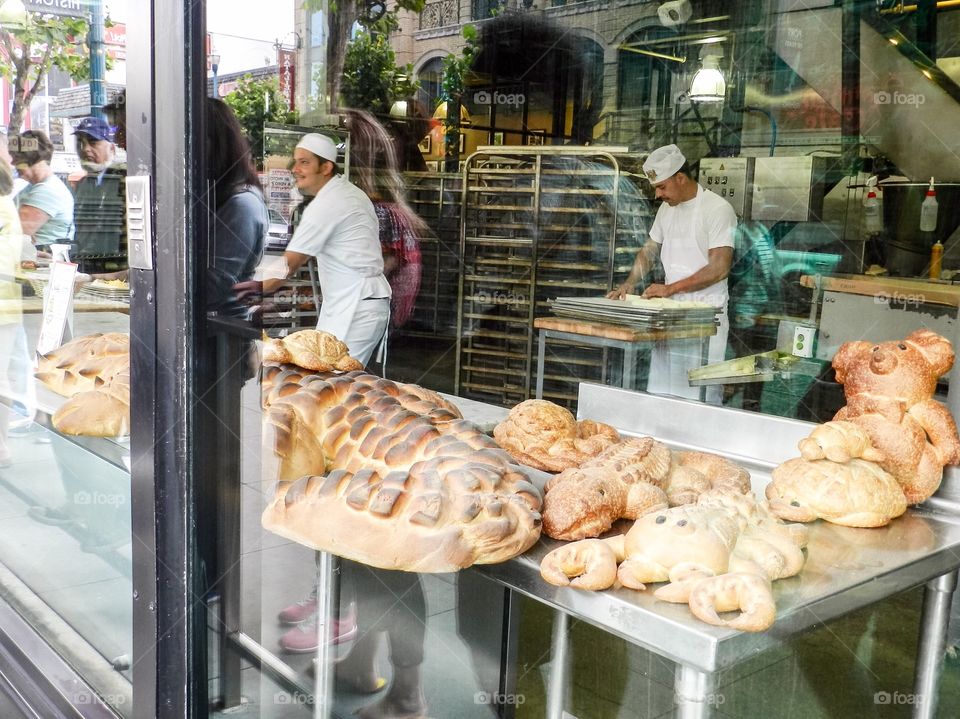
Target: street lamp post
(215,65)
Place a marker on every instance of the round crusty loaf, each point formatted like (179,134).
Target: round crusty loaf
(311,349)
(546,436)
(403,490)
(103,412)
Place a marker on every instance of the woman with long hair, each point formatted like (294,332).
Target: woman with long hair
(374,169)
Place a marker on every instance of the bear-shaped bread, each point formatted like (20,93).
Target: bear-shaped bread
(889,388)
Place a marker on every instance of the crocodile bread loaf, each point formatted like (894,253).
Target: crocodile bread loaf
(364,475)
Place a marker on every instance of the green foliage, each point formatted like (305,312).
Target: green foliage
(255,102)
(27,54)
(452,85)
(371,78)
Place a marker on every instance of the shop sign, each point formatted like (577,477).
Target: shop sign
(67,8)
(287,62)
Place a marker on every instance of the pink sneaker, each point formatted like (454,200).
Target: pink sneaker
(304,639)
(301,611)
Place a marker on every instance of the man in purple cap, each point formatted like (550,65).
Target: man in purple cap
(95,146)
(693,235)
(99,200)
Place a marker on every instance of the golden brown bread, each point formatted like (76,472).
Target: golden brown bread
(311,349)
(692,473)
(404,490)
(102,412)
(856,493)
(84,363)
(94,372)
(546,436)
(889,388)
(623,481)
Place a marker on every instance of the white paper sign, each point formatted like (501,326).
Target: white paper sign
(57,306)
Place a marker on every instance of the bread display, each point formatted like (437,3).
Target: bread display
(719,555)
(546,436)
(94,372)
(389,475)
(311,349)
(623,481)
(889,389)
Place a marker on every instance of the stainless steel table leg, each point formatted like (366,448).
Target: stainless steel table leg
(704,360)
(694,696)
(541,357)
(558,682)
(934,620)
(328,594)
(628,380)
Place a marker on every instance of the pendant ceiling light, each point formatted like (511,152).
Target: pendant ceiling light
(708,84)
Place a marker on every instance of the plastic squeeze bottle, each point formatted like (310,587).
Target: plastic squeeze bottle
(936,260)
(871,209)
(928,210)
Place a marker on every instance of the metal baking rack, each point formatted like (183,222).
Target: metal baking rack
(539,223)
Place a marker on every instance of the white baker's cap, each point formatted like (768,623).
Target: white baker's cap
(663,163)
(320,145)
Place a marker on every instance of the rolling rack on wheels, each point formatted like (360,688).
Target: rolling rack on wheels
(538,223)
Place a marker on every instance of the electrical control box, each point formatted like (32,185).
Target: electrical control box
(731,178)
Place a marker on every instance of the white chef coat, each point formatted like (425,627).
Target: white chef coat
(686,233)
(339,227)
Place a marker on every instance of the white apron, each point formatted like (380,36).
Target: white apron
(670,360)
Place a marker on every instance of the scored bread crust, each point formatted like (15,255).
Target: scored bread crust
(546,436)
(94,372)
(409,484)
(84,363)
(624,481)
(311,349)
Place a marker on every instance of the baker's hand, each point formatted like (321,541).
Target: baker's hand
(249,292)
(656,290)
(620,292)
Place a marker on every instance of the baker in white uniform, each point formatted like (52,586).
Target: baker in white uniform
(339,227)
(693,234)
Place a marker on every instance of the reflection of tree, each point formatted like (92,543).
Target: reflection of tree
(255,102)
(342,16)
(27,54)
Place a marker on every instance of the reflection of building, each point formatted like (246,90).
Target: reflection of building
(228,82)
(533,107)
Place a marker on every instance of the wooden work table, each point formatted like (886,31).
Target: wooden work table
(904,289)
(628,339)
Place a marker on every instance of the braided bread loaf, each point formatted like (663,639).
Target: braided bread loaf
(409,485)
